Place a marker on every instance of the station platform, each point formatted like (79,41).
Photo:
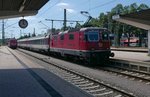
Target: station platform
(131,56)
(130,49)
(16,80)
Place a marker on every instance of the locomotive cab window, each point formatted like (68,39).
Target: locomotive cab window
(92,36)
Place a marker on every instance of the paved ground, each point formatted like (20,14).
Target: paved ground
(133,56)
(17,81)
(130,49)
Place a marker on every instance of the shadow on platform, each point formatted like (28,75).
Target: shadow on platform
(24,83)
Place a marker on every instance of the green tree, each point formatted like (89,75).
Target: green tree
(118,9)
(142,7)
(103,20)
(133,8)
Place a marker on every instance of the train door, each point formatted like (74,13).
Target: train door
(82,41)
(49,42)
(80,38)
(61,40)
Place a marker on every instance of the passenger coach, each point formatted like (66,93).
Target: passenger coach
(40,43)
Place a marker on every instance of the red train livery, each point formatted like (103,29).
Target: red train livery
(12,43)
(91,44)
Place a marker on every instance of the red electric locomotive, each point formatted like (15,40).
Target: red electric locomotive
(91,44)
(12,43)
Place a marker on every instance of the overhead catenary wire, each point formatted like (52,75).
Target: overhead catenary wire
(98,6)
(10,25)
(101,5)
(112,1)
(49,8)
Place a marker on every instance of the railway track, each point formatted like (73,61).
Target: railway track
(90,85)
(128,73)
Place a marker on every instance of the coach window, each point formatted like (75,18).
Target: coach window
(62,37)
(71,36)
(45,41)
(34,41)
(40,41)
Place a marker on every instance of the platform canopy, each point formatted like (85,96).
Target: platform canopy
(18,8)
(139,19)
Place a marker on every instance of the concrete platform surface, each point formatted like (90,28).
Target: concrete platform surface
(132,56)
(17,81)
(130,49)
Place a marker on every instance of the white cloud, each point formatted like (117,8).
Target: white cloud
(19,18)
(30,18)
(64,5)
(71,11)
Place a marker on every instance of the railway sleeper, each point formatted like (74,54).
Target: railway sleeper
(85,85)
(81,82)
(90,87)
(96,90)
(78,80)
(69,76)
(104,93)
(75,78)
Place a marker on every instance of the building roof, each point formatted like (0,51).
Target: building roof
(17,8)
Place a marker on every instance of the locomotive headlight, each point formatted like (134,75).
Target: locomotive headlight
(100,44)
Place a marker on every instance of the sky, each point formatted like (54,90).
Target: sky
(54,9)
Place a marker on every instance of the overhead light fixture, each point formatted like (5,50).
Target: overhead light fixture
(21,8)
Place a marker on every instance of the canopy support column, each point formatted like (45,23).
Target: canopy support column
(148,42)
